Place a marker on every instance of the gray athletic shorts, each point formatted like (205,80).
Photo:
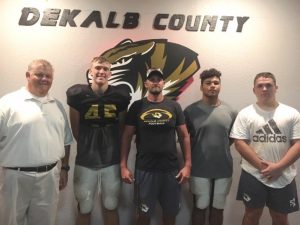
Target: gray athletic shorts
(152,186)
(255,194)
(201,188)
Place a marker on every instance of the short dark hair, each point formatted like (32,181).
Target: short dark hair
(209,73)
(265,75)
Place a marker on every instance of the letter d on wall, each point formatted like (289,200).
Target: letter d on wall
(25,20)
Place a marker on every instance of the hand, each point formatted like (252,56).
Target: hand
(63,180)
(270,170)
(183,175)
(126,175)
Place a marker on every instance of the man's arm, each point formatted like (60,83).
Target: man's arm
(122,116)
(64,168)
(128,133)
(74,119)
(274,170)
(184,140)
(248,153)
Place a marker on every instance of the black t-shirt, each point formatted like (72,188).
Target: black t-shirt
(156,133)
(99,137)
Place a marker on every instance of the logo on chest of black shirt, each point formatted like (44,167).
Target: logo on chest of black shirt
(269,133)
(106,111)
(155,117)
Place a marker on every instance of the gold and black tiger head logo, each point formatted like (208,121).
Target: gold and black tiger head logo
(131,60)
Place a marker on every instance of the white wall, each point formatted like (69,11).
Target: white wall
(269,42)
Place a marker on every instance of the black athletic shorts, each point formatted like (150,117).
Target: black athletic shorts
(152,186)
(255,194)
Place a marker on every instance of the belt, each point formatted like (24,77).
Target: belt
(37,169)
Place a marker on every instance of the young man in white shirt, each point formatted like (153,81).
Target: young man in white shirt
(267,135)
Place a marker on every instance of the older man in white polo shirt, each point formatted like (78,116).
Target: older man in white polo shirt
(34,136)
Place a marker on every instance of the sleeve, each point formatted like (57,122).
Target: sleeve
(73,96)
(132,114)
(296,126)
(188,122)
(240,129)
(2,116)
(233,115)
(125,99)
(180,120)
(68,138)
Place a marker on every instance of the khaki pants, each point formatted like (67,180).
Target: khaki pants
(28,197)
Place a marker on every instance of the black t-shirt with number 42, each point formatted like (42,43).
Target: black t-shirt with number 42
(99,132)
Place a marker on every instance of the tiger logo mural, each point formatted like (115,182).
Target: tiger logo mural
(131,60)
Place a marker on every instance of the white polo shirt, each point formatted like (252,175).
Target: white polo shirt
(33,131)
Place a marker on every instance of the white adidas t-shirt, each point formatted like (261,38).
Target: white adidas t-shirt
(270,135)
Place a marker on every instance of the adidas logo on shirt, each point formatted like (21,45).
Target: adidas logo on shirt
(269,133)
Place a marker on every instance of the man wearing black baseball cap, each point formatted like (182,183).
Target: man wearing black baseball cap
(154,119)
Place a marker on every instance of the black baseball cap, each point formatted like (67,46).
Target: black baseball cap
(154,72)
